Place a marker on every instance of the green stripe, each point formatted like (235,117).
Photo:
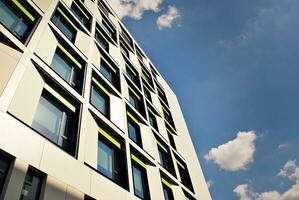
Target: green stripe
(82,11)
(138,97)
(99,85)
(162,146)
(167,183)
(144,70)
(165,110)
(24,10)
(187,198)
(99,31)
(160,89)
(109,137)
(131,69)
(136,159)
(107,62)
(133,118)
(69,56)
(180,164)
(146,87)
(60,98)
(67,19)
(151,111)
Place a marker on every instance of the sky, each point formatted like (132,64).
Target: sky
(234,66)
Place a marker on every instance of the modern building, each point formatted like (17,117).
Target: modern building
(84,113)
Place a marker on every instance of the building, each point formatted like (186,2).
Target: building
(84,114)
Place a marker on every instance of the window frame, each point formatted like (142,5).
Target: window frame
(41,178)
(144,178)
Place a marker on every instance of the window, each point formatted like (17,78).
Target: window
(132,74)
(111,158)
(134,129)
(56,119)
(184,174)
(188,196)
(64,24)
(81,13)
(167,114)
(109,72)
(124,49)
(152,119)
(4,167)
(126,38)
(161,94)
(32,186)
(171,140)
(139,178)
(165,157)
(18,17)
(101,38)
(146,75)
(139,54)
(86,197)
(108,27)
(147,93)
(100,97)
(104,8)
(68,67)
(167,189)
(135,99)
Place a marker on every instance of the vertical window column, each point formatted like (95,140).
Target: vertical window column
(32,186)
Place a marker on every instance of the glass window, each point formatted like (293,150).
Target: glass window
(81,13)
(105,160)
(171,140)
(109,72)
(152,120)
(59,19)
(102,40)
(14,19)
(165,158)
(4,167)
(100,100)
(132,75)
(140,181)
(134,132)
(55,122)
(32,186)
(133,100)
(147,94)
(106,71)
(168,195)
(184,174)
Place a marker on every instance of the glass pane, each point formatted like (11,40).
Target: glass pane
(62,66)
(99,101)
(47,119)
(105,159)
(102,42)
(22,28)
(31,187)
(133,100)
(64,27)
(106,72)
(7,17)
(132,132)
(166,194)
(138,182)
(4,165)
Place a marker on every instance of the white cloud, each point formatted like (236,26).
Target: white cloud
(236,154)
(290,170)
(166,20)
(283,145)
(210,183)
(134,8)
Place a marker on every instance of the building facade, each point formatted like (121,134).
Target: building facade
(84,114)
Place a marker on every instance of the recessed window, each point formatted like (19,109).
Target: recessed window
(167,114)
(161,94)
(68,67)
(165,157)
(135,99)
(184,174)
(108,27)
(188,196)
(81,13)
(140,177)
(134,129)
(101,38)
(124,49)
(133,75)
(109,72)
(147,93)
(171,140)
(4,167)
(152,119)
(167,189)
(146,75)
(139,54)
(56,118)
(32,186)
(111,157)
(126,38)
(100,97)
(62,20)
(104,8)
(18,17)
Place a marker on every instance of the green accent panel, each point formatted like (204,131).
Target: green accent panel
(165,110)
(133,118)
(160,89)
(151,111)
(136,159)
(169,131)
(100,86)
(67,19)
(82,11)
(162,146)
(108,63)
(146,87)
(138,97)
(98,30)
(60,98)
(72,58)
(24,10)
(109,137)
(180,164)
(187,198)
(166,182)
(131,69)
(144,70)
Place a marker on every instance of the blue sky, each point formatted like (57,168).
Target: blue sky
(234,66)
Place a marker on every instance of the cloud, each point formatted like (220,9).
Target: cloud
(210,183)
(134,8)
(290,170)
(236,154)
(166,20)
(283,145)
